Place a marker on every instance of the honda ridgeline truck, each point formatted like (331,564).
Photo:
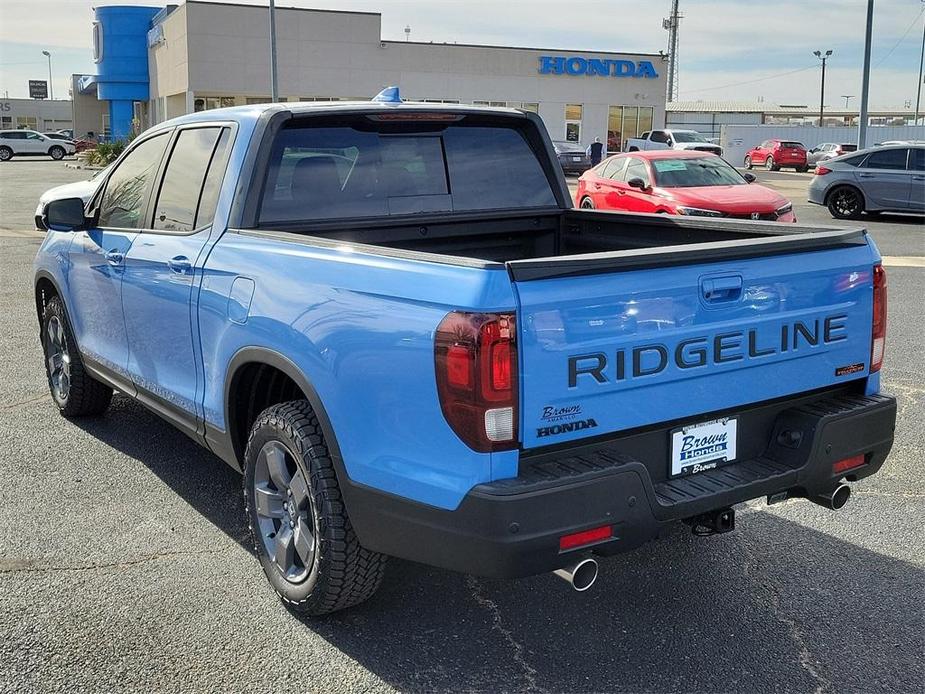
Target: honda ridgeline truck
(388,316)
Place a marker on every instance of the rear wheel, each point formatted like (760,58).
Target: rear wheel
(301,531)
(74,391)
(748,162)
(845,202)
(5,154)
(56,152)
(587,204)
(769,164)
(802,169)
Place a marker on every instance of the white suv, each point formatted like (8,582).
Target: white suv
(31,143)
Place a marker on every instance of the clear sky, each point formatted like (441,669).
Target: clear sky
(729,49)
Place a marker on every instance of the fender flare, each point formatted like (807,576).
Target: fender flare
(265,355)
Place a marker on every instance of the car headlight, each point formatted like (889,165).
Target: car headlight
(698,212)
(781,211)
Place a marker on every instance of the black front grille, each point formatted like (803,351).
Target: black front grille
(763,216)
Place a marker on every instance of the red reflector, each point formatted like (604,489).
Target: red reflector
(878,327)
(459,367)
(585,537)
(848,463)
(501,366)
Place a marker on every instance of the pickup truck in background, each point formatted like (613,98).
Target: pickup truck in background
(388,316)
(672,139)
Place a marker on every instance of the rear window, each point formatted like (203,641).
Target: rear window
(373,169)
(792,145)
(848,148)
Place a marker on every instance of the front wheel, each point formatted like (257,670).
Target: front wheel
(56,152)
(845,202)
(74,391)
(301,531)
(587,204)
(5,154)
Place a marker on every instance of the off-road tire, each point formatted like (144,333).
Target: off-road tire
(343,572)
(56,152)
(85,395)
(5,154)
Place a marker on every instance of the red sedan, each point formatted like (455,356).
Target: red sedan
(699,184)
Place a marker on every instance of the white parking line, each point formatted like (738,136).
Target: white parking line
(904,261)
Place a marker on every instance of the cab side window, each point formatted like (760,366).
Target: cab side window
(184,178)
(123,202)
(637,169)
(659,136)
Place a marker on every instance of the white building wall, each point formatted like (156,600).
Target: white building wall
(224,52)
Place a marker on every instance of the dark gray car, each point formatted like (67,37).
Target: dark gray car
(879,179)
(572,157)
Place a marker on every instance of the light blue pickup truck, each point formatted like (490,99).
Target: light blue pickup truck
(388,317)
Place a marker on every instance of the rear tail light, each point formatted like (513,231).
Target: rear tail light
(475,355)
(878,328)
(848,463)
(822,170)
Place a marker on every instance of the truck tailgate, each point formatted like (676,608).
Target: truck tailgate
(617,349)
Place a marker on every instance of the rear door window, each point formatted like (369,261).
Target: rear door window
(887,159)
(379,169)
(917,160)
(178,199)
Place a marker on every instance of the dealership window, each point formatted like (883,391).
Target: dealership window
(27,123)
(207,103)
(533,107)
(573,122)
(624,122)
(6,122)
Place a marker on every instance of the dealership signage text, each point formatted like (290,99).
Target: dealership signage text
(576,65)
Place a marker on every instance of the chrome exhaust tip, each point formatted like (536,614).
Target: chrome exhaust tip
(833,499)
(581,575)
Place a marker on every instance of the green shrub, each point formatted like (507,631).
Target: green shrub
(106,153)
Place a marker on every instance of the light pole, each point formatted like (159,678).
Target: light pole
(823,58)
(918,89)
(865,77)
(846,97)
(51,86)
(274,89)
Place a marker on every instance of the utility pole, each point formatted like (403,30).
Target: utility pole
(671,24)
(918,89)
(274,88)
(823,58)
(865,78)
(51,84)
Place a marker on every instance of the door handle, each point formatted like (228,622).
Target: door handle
(866,175)
(719,289)
(918,178)
(180,264)
(115,257)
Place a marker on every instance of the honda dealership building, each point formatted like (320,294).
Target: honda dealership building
(155,63)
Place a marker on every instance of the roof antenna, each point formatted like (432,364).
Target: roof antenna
(389,95)
(407,32)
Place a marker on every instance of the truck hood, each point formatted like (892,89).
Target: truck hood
(80,189)
(702,146)
(730,199)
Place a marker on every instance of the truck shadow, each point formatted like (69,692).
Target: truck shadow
(774,605)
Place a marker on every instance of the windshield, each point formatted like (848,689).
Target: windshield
(371,169)
(688,136)
(692,172)
(568,147)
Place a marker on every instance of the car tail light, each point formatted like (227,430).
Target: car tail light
(585,537)
(878,328)
(822,170)
(475,355)
(848,463)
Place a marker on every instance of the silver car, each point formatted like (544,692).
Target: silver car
(890,178)
(80,189)
(828,150)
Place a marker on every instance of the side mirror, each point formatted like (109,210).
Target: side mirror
(750,177)
(66,214)
(669,142)
(637,183)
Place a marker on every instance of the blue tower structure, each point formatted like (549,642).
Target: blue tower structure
(121,55)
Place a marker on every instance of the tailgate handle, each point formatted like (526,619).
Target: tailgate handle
(719,289)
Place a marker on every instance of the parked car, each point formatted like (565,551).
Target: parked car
(687,183)
(828,150)
(775,154)
(80,189)
(573,158)
(67,132)
(30,143)
(889,178)
(430,354)
(672,139)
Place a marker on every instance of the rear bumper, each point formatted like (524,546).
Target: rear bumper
(512,527)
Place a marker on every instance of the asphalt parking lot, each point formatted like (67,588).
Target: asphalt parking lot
(124,561)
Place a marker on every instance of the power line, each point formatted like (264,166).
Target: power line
(901,38)
(760,79)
